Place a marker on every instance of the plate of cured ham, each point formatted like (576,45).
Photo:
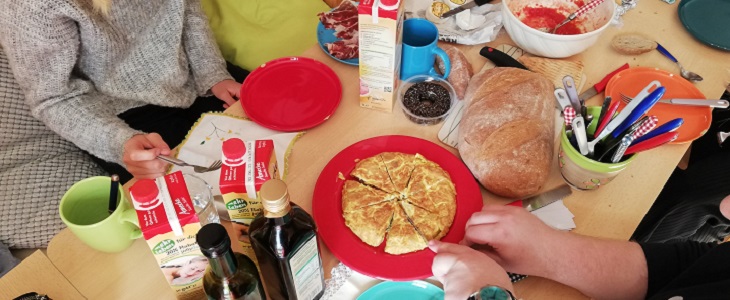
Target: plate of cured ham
(337,33)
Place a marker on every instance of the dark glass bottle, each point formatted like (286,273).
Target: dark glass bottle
(229,275)
(284,239)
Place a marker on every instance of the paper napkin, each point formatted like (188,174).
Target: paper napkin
(202,146)
(476,26)
(556,215)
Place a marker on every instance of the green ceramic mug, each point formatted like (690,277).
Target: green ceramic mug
(84,209)
(581,172)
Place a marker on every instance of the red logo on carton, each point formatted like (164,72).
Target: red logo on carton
(233,178)
(149,200)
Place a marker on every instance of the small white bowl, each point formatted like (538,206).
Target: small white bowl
(406,84)
(551,45)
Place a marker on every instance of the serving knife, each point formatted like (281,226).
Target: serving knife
(464,7)
(601,85)
(501,59)
(536,202)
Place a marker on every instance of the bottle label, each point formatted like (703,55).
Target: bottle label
(306,268)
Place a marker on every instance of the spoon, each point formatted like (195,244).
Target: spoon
(582,10)
(691,76)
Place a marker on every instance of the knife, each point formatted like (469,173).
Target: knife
(501,59)
(464,7)
(652,142)
(643,107)
(569,85)
(616,121)
(670,126)
(600,86)
(579,131)
(536,202)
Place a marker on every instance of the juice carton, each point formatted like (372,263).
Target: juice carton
(169,223)
(246,166)
(380,33)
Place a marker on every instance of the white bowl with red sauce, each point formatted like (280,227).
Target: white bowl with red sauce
(520,16)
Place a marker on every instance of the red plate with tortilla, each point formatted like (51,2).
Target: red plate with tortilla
(372,261)
(697,119)
(291,94)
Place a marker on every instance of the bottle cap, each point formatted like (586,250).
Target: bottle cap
(233,152)
(145,194)
(275,198)
(389,4)
(213,240)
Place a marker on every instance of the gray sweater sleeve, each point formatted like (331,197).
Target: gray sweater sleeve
(206,61)
(43,56)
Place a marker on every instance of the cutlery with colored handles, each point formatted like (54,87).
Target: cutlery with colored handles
(621,117)
(652,143)
(646,104)
(670,126)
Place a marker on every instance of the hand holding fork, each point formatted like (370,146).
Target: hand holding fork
(198,169)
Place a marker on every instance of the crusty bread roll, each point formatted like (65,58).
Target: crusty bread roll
(461,70)
(506,132)
(632,44)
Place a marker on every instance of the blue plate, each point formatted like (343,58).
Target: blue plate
(396,290)
(328,36)
(706,20)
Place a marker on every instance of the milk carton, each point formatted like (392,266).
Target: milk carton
(246,166)
(169,223)
(379,27)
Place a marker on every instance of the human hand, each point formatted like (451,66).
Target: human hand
(513,237)
(228,91)
(725,207)
(140,155)
(463,271)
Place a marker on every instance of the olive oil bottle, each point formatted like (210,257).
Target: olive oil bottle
(284,239)
(229,275)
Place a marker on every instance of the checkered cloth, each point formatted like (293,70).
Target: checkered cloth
(36,167)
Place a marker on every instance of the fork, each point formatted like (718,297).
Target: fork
(688,102)
(198,169)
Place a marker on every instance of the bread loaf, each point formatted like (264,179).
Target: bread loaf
(461,70)
(506,132)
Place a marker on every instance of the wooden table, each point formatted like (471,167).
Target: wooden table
(37,274)
(613,211)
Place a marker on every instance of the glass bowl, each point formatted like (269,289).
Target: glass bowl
(421,96)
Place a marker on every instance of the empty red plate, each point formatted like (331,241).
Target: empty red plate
(291,94)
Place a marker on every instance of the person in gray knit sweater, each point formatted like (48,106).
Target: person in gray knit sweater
(82,64)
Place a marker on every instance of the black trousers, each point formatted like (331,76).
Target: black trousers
(172,123)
